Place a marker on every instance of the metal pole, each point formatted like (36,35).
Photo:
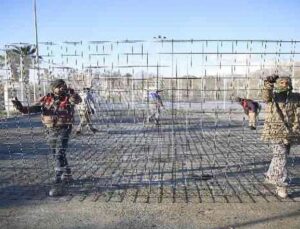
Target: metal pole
(36,46)
(34,86)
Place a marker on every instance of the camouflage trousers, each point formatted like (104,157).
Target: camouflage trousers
(252,119)
(277,172)
(85,120)
(57,139)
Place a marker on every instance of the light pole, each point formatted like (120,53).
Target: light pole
(37,49)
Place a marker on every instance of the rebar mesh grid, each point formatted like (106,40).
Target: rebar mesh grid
(202,151)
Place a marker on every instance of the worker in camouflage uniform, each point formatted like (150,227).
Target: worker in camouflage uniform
(281,127)
(251,109)
(86,109)
(57,113)
(155,106)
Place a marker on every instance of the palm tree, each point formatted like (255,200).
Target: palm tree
(25,53)
(27,50)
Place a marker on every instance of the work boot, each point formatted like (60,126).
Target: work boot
(282,192)
(56,190)
(252,128)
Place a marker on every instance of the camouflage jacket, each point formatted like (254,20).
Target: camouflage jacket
(56,111)
(275,130)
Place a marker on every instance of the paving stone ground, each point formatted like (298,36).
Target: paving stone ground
(192,159)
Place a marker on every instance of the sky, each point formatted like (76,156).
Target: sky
(78,20)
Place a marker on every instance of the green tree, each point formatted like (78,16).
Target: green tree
(21,57)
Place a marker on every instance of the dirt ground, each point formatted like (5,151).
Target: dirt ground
(87,214)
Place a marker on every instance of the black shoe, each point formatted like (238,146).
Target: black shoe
(94,130)
(78,132)
(252,128)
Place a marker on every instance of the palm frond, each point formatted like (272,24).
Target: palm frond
(16,50)
(32,51)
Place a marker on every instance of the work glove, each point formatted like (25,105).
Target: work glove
(272,78)
(17,104)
